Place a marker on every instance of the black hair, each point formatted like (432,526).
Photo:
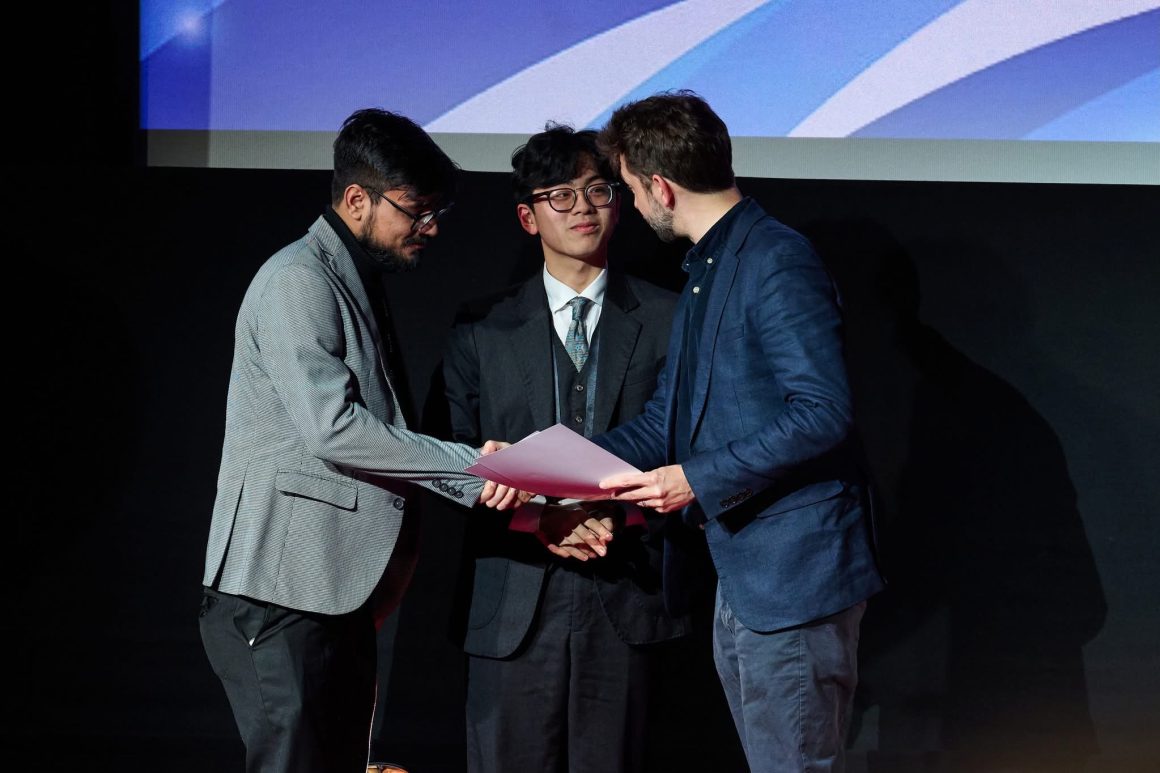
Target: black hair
(383,150)
(554,157)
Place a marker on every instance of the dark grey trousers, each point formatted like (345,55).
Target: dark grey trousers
(301,685)
(571,700)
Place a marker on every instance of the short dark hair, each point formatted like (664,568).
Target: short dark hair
(555,156)
(384,150)
(674,134)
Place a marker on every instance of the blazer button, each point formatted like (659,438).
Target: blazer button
(459,495)
(398,503)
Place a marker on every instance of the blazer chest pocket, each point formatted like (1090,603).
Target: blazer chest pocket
(328,490)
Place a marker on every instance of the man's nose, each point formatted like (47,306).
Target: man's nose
(582,203)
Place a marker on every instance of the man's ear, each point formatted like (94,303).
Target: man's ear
(527,218)
(664,191)
(357,201)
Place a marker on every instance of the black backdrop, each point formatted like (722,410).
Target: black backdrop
(1002,344)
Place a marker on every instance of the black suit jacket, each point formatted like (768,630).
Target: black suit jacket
(499,380)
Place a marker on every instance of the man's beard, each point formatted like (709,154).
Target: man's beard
(389,260)
(660,220)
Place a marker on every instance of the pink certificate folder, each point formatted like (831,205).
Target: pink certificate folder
(555,462)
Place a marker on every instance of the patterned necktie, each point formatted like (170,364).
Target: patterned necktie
(576,343)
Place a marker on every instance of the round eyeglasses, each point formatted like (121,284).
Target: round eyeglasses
(419,222)
(598,195)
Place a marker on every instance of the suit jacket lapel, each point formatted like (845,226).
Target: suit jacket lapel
(618,333)
(533,350)
(341,262)
(673,360)
(727,264)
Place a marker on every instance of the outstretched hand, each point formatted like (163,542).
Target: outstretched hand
(664,489)
(497,495)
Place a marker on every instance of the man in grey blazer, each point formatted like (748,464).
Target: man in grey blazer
(558,654)
(305,553)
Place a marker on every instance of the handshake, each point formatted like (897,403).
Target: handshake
(561,464)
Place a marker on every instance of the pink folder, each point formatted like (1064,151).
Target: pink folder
(555,462)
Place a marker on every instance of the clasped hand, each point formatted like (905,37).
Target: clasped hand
(579,531)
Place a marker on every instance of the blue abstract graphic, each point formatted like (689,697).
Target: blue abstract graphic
(974,69)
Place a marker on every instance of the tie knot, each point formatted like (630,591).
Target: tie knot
(578,304)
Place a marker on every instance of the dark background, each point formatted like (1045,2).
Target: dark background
(1003,347)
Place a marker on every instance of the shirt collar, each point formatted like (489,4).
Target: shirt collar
(714,240)
(559,293)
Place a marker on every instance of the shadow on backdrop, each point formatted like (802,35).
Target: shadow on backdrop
(971,660)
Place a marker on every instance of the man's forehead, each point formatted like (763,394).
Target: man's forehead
(587,176)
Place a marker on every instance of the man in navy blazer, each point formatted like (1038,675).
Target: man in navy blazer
(750,437)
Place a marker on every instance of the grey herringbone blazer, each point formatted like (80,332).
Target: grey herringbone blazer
(317,459)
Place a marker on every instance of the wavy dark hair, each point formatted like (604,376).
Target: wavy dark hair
(674,134)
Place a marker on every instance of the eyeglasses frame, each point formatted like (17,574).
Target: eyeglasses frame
(419,222)
(547,196)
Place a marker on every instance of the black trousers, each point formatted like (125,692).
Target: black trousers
(301,685)
(572,699)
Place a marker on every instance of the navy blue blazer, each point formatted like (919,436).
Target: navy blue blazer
(774,464)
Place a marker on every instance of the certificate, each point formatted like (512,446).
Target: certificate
(555,462)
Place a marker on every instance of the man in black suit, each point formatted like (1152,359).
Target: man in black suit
(557,656)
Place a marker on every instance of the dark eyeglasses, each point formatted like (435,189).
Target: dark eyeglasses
(599,195)
(419,222)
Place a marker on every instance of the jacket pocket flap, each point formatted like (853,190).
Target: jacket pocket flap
(807,495)
(329,490)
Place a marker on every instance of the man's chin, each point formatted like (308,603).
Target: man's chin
(664,232)
(401,264)
(398,259)
(395,262)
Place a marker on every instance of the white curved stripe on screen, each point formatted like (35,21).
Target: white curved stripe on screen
(581,82)
(970,37)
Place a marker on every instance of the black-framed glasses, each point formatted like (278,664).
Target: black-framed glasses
(599,195)
(419,222)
